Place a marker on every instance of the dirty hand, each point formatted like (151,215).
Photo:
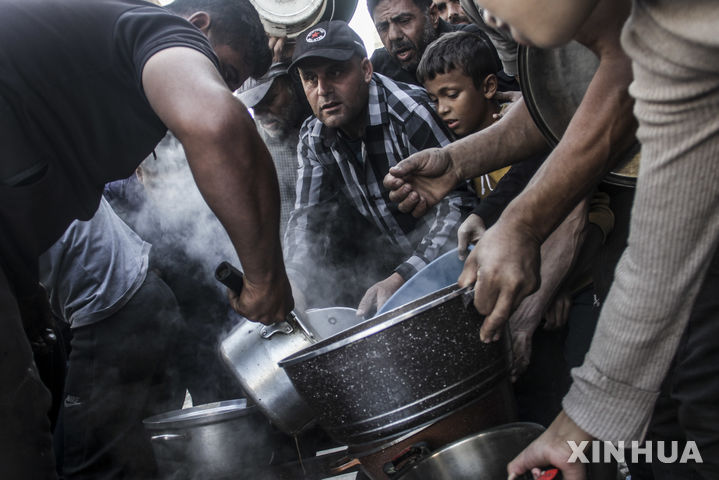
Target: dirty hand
(469,233)
(378,294)
(551,448)
(522,325)
(558,311)
(421,180)
(266,303)
(504,268)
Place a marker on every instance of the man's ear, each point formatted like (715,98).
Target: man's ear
(367,69)
(434,15)
(489,86)
(201,20)
(139,174)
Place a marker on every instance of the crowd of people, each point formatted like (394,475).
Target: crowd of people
(353,172)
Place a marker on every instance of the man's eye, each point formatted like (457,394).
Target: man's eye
(452,94)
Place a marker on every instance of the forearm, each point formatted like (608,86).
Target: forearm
(512,139)
(602,128)
(236,176)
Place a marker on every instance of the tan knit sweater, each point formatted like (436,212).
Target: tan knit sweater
(675,219)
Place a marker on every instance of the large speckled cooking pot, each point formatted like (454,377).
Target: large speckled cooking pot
(399,370)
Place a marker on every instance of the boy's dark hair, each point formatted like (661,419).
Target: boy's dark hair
(422,4)
(465,51)
(235,23)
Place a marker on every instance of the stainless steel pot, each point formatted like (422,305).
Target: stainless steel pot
(252,351)
(217,440)
(401,369)
(482,455)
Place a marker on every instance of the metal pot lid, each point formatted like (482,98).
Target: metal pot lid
(554,82)
(200,415)
(291,17)
(377,324)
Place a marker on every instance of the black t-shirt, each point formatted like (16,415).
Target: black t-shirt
(72,109)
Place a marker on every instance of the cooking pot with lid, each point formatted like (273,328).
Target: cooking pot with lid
(216,440)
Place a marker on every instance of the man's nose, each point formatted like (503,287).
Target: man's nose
(394,32)
(324,86)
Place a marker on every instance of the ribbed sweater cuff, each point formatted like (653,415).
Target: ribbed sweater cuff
(606,409)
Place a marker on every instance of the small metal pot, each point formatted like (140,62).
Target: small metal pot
(216,440)
(400,370)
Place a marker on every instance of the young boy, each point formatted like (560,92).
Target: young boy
(459,73)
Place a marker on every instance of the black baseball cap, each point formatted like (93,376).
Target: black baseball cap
(334,40)
(254,90)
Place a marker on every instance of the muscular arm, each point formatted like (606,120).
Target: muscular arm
(232,168)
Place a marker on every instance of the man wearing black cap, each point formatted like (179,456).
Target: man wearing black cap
(364,123)
(279,106)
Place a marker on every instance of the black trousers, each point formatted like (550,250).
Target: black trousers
(688,406)
(119,373)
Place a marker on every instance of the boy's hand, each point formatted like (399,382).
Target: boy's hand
(469,233)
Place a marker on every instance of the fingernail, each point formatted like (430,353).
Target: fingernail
(512,476)
(496,338)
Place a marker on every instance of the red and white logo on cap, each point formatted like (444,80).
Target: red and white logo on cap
(316,35)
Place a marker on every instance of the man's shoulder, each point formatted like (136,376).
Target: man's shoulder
(400,94)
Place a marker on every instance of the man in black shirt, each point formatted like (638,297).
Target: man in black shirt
(87,90)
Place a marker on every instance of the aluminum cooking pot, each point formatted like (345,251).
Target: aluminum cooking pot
(482,455)
(400,370)
(252,351)
(553,85)
(211,441)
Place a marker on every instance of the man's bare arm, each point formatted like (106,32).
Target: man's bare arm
(602,127)
(232,168)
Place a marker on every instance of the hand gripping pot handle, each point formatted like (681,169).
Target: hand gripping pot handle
(234,279)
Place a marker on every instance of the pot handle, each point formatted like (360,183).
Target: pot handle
(406,459)
(233,279)
(169,436)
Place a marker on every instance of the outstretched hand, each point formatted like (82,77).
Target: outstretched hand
(421,180)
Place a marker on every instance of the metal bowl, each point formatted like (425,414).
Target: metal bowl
(482,455)
(554,82)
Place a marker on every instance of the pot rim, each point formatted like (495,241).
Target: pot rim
(328,345)
(199,415)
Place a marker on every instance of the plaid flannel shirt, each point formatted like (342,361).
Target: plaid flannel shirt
(401,122)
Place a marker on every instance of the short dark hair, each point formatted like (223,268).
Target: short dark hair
(458,50)
(372,4)
(237,24)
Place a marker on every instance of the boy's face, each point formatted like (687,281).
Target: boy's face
(463,107)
